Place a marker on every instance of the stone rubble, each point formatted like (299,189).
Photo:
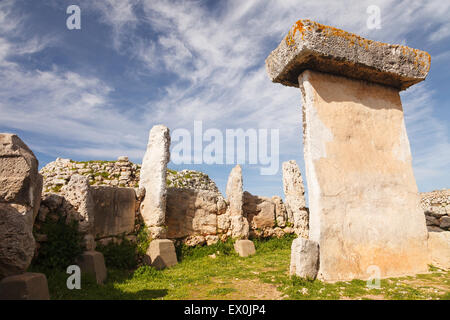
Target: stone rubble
(436,205)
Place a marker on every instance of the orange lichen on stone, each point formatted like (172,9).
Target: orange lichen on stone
(307,25)
(291,34)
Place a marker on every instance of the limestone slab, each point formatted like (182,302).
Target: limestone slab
(439,247)
(311,45)
(153,179)
(304,258)
(114,210)
(26,286)
(363,198)
(294,192)
(93,262)
(244,248)
(235,196)
(20,197)
(161,254)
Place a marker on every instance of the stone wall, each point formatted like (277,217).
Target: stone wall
(436,205)
(120,173)
(196,210)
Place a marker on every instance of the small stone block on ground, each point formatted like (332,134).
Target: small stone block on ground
(25,286)
(304,258)
(161,254)
(244,248)
(93,262)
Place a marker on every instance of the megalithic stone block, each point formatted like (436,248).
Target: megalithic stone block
(304,258)
(153,180)
(161,254)
(93,262)
(244,248)
(25,286)
(313,46)
(363,198)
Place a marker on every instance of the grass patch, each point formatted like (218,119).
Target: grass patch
(220,291)
(264,275)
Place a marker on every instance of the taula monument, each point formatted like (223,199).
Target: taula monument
(363,198)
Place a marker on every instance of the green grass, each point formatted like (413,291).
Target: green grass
(228,276)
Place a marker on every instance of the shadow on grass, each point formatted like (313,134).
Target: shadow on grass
(90,290)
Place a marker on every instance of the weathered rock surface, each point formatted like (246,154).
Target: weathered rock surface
(78,194)
(310,45)
(161,254)
(20,190)
(361,184)
(439,247)
(304,258)
(120,173)
(153,179)
(93,262)
(235,197)
(436,205)
(193,212)
(244,248)
(25,286)
(260,211)
(114,211)
(294,192)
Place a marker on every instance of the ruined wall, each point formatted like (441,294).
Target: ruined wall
(120,173)
(196,210)
(436,205)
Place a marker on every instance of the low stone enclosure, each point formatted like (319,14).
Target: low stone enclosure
(196,212)
(364,206)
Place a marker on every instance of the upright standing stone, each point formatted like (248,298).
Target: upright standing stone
(153,179)
(235,197)
(79,195)
(304,258)
(20,197)
(294,193)
(363,198)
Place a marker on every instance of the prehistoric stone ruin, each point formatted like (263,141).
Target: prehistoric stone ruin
(294,192)
(436,205)
(304,258)
(244,248)
(20,197)
(361,185)
(153,180)
(365,209)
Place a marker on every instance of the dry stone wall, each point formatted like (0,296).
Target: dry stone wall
(120,173)
(436,205)
(196,212)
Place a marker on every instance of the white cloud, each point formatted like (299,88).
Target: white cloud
(215,60)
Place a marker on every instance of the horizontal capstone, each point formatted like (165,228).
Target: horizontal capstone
(311,45)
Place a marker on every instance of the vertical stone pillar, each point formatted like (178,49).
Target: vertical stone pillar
(294,193)
(363,198)
(235,197)
(153,180)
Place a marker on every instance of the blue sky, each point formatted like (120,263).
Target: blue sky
(94,93)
